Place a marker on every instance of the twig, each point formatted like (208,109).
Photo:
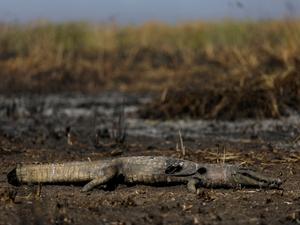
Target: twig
(164,94)
(39,191)
(295,140)
(181,143)
(224,154)
(119,129)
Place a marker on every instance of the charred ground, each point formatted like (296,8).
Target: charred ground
(38,135)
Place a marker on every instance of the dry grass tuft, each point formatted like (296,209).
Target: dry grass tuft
(252,97)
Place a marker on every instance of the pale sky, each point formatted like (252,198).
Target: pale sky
(138,11)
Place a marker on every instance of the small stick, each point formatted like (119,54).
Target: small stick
(181,144)
(39,190)
(224,154)
(164,94)
(295,140)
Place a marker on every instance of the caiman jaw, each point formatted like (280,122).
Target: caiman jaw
(247,177)
(224,175)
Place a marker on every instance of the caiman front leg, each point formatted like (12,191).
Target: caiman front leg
(193,185)
(102,177)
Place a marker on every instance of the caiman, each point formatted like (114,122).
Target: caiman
(142,169)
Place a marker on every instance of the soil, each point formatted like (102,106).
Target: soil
(33,129)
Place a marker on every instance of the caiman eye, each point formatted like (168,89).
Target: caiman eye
(202,170)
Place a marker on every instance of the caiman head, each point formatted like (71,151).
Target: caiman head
(221,175)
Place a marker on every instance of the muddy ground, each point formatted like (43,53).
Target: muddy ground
(33,129)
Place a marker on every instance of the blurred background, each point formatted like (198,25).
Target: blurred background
(219,53)
(137,12)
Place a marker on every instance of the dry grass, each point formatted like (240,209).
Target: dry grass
(257,96)
(214,70)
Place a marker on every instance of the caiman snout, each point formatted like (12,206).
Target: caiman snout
(248,177)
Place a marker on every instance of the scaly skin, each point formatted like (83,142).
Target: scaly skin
(142,169)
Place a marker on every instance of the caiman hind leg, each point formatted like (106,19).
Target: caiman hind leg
(103,176)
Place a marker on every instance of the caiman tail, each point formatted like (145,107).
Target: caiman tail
(52,173)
